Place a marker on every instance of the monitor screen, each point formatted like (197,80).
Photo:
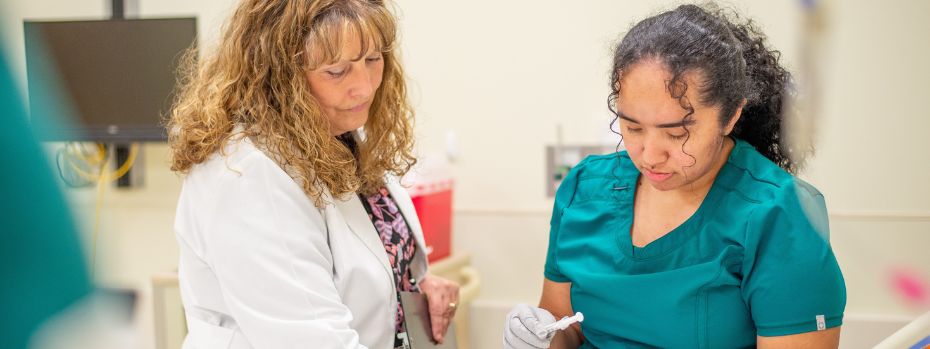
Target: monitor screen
(118,77)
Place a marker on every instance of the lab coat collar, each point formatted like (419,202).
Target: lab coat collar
(405,204)
(350,206)
(360,223)
(355,214)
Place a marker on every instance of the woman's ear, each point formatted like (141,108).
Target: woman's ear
(733,120)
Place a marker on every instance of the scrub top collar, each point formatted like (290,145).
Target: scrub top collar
(625,192)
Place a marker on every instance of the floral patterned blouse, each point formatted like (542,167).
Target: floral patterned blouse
(398,242)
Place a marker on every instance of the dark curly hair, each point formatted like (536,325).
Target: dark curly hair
(733,59)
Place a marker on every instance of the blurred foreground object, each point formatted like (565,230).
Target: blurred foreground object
(41,261)
(803,105)
(915,335)
(102,320)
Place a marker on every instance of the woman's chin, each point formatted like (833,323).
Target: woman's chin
(667,184)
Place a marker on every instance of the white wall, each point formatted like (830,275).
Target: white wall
(873,147)
(502,74)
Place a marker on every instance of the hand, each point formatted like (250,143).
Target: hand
(443,298)
(521,325)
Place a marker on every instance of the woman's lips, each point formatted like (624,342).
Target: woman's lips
(358,108)
(656,176)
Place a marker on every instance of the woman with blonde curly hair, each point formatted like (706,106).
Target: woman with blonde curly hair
(292,227)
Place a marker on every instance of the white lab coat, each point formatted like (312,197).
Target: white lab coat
(262,267)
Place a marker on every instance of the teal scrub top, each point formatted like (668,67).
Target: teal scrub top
(754,259)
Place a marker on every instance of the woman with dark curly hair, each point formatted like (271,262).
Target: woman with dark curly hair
(698,235)
(292,227)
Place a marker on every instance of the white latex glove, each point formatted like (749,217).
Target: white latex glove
(521,325)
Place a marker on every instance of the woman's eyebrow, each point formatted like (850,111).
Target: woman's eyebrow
(626,117)
(682,123)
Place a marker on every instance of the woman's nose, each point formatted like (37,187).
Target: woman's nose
(361,85)
(654,153)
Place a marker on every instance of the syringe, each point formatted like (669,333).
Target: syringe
(559,325)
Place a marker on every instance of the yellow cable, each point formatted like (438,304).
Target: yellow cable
(101,184)
(130,160)
(73,149)
(102,178)
(74,153)
(109,176)
(99,156)
(86,175)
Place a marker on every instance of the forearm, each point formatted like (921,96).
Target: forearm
(556,299)
(567,339)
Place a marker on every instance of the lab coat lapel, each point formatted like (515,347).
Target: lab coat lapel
(419,263)
(413,221)
(358,221)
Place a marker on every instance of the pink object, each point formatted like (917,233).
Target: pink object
(911,286)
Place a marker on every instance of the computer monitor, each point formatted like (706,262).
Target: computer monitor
(118,76)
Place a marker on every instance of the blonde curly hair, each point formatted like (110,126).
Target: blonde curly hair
(256,80)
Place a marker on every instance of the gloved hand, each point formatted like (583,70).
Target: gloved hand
(521,325)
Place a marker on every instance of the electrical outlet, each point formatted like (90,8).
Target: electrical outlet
(561,159)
